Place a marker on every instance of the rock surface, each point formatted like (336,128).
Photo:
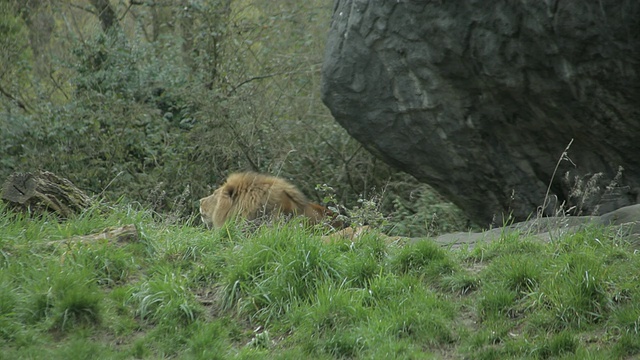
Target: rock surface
(624,222)
(479,99)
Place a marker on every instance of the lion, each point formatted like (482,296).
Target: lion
(252,196)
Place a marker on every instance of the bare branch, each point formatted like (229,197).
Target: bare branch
(83,8)
(131,3)
(260,77)
(18,102)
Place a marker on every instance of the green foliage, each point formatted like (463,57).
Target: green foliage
(422,212)
(577,290)
(628,345)
(106,66)
(519,273)
(275,269)
(165,299)
(424,315)
(560,344)
(279,291)
(84,349)
(15,57)
(9,307)
(333,309)
(424,256)
(496,301)
(362,268)
(461,282)
(162,112)
(627,318)
(209,341)
(509,243)
(63,297)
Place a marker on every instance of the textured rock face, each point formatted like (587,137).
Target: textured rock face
(479,99)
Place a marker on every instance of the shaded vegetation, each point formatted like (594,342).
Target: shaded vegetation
(158,101)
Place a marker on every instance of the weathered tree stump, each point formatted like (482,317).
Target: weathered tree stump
(44,191)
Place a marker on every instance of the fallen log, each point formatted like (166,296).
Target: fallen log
(127,233)
(44,191)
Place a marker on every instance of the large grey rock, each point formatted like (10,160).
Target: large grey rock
(479,99)
(624,223)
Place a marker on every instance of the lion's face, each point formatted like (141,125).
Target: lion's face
(215,208)
(207,205)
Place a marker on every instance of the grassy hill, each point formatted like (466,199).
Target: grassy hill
(181,291)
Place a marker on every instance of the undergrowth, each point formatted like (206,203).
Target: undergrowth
(189,92)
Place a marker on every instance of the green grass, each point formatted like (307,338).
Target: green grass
(280,292)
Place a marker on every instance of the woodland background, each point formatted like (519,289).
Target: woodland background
(157,101)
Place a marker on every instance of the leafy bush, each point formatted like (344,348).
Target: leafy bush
(419,211)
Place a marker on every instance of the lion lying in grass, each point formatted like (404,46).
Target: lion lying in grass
(252,196)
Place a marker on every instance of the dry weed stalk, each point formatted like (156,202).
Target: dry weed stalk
(563,156)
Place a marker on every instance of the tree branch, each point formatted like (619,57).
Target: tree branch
(260,77)
(106,14)
(20,103)
(83,8)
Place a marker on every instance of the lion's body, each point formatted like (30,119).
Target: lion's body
(251,196)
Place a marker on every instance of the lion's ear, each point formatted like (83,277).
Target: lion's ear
(230,190)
